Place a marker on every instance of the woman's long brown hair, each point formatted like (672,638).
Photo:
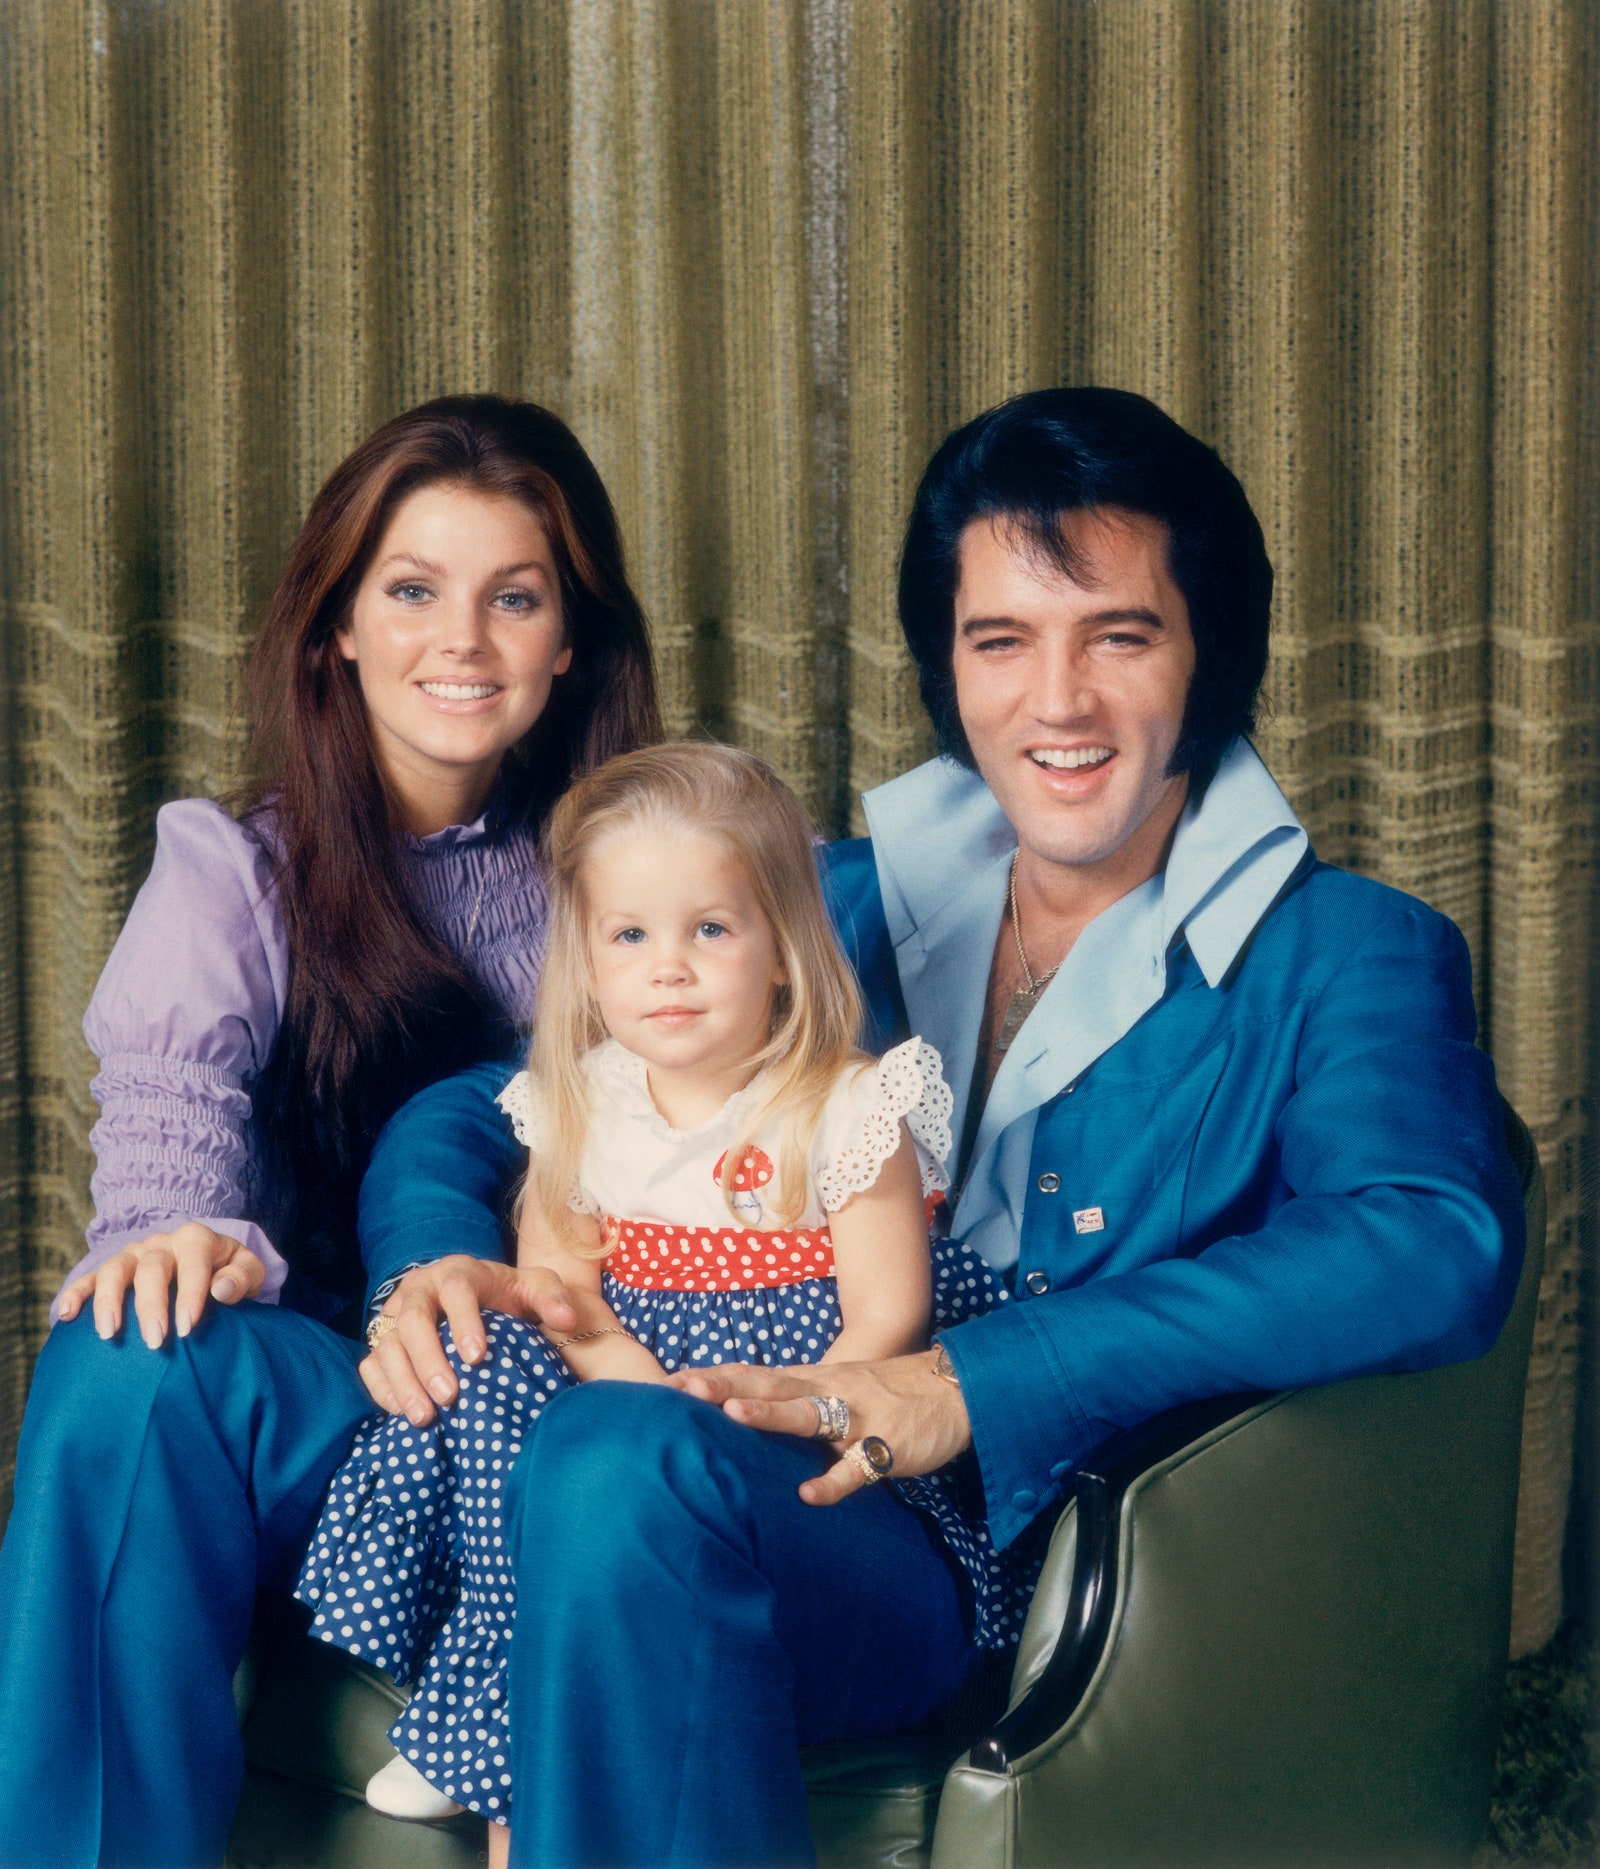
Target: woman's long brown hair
(377,1006)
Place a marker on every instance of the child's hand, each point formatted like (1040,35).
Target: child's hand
(408,1363)
(198,1262)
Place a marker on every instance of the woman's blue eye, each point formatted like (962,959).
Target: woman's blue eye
(409,593)
(519,600)
(711,930)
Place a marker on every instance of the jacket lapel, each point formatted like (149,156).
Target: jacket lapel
(944,975)
(1110,980)
(943,850)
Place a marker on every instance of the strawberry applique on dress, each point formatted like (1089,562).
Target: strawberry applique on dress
(755,1170)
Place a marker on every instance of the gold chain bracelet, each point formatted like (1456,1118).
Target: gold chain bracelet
(583,1336)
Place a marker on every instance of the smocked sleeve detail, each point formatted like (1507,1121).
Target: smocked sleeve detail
(182,1021)
(861,1125)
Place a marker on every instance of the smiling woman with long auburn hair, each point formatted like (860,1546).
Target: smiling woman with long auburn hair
(378,1002)
(452,641)
(374,850)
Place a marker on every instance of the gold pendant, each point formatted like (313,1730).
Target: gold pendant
(1020,1004)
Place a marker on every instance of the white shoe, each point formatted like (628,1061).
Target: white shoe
(400,1790)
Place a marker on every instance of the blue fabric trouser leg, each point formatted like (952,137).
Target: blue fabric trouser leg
(686,1623)
(155,1491)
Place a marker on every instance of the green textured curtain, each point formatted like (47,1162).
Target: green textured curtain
(763,253)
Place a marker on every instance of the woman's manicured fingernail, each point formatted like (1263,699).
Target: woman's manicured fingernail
(440,1389)
(104,1332)
(225,1291)
(471,1350)
(153,1335)
(181,1320)
(417,1415)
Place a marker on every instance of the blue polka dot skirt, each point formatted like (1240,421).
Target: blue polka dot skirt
(408,1568)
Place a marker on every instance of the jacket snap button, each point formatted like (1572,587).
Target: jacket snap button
(1048,1184)
(1038,1283)
(1024,1501)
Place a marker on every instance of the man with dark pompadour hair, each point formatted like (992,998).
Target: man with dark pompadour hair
(1037,459)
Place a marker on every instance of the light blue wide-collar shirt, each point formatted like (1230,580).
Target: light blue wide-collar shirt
(943,849)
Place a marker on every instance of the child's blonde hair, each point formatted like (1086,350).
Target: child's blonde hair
(712,791)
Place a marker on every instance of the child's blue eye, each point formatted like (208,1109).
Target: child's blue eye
(711,930)
(629,937)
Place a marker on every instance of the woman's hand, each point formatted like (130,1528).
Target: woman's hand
(408,1364)
(921,1416)
(199,1262)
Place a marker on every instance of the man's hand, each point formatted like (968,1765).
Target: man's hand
(197,1261)
(920,1415)
(409,1364)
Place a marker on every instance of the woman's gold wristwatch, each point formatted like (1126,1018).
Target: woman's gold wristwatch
(943,1367)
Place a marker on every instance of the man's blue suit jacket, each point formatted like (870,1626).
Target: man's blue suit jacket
(1302,1172)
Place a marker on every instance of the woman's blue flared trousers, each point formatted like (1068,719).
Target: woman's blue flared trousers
(155,1490)
(685,1622)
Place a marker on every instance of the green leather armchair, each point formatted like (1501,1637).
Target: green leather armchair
(1270,1630)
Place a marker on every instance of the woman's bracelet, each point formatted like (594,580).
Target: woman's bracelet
(583,1336)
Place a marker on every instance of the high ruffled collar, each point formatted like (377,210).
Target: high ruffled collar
(450,837)
(490,826)
(625,1077)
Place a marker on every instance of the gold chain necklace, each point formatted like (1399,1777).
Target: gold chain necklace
(1023,1001)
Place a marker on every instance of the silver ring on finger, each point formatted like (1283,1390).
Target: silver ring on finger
(833,1418)
(872,1458)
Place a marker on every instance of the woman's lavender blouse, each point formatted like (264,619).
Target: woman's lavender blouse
(187,1011)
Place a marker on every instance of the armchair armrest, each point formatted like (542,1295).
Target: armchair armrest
(1099,1489)
(1056,1687)
(1284,1631)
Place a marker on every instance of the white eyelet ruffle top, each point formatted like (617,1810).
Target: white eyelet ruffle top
(636,1166)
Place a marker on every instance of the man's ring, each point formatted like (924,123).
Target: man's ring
(871,1458)
(833,1418)
(380,1327)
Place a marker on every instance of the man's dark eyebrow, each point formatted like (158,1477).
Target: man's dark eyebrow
(973,624)
(1137,614)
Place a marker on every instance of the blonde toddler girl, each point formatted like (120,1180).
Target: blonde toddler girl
(717,1173)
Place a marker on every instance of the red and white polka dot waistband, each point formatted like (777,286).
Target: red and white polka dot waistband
(648,1255)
